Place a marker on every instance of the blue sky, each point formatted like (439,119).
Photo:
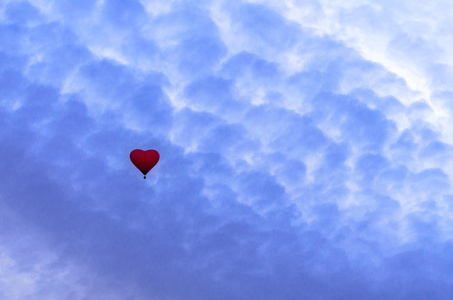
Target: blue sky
(305,149)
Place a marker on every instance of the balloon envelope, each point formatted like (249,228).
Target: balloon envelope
(144,160)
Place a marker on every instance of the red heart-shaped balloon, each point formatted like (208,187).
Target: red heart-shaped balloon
(144,160)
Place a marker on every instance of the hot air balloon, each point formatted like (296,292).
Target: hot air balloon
(144,160)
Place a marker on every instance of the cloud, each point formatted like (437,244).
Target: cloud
(300,157)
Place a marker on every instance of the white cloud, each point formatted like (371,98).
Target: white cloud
(302,143)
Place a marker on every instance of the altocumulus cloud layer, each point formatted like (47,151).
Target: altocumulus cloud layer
(305,149)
